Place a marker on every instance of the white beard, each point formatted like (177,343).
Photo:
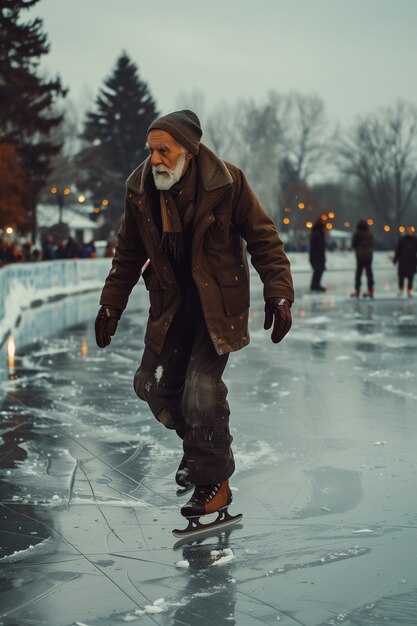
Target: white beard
(164,177)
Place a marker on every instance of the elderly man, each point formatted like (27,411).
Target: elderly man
(189,213)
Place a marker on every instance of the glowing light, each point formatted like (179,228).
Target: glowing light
(370,221)
(324,217)
(96,209)
(329,226)
(387,228)
(301,205)
(331,215)
(81,198)
(11,348)
(84,348)
(287,210)
(309,224)
(9,230)
(11,351)
(413,230)
(346,224)
(401,229)
(286,220)
(105,202)
(67,191)
(54,189)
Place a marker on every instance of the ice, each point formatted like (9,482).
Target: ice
(324,441)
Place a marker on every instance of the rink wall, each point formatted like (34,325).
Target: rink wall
(26,285)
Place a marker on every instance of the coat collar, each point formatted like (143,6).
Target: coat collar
(212,172)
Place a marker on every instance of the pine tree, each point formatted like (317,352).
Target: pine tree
(115,133)
(12,212)
(27,101)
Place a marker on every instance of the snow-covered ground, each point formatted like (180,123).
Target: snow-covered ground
(324,438)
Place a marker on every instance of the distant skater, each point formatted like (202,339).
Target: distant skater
(317,255)
(406,258)
(363,244)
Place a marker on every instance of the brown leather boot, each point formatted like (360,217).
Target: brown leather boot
(208,499)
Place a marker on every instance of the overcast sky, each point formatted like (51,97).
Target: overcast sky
(355,54)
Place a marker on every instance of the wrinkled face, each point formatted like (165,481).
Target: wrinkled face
(169,159)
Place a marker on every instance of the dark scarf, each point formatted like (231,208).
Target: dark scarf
(177,206)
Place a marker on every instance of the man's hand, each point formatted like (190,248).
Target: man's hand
(106,324)
(278,310)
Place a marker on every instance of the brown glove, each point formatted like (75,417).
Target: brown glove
(106,324)
(278,310)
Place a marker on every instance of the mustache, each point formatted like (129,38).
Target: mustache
(161,169)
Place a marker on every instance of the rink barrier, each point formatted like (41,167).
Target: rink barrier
(25,285)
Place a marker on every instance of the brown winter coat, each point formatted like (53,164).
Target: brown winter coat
(227,211)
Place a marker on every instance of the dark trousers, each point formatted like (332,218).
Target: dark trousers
(185,392)
(364,266)
(316,278)
(401,279)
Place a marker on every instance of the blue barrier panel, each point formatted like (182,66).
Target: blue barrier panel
(23,284)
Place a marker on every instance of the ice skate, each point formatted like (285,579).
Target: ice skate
(205,500)
(182,478)
(410,293)
(369,293)
(356,293)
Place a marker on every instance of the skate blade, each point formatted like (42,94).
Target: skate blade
(195,527)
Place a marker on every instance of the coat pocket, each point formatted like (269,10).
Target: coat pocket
(234,289)
(155,295)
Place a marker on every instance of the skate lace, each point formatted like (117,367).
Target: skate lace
(206,492)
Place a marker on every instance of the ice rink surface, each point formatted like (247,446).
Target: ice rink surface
(325,439)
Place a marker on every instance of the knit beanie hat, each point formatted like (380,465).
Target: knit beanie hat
(184,126)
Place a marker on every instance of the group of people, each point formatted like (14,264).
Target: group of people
(15,252)
(363,244)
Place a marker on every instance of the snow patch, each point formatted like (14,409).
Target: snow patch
(246,459)
(159,373)
(19,554)
(158,606)
(222,556)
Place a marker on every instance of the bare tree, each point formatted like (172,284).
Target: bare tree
(220,132)
(259,129)
(380,151)
(194,100)
(305,134)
